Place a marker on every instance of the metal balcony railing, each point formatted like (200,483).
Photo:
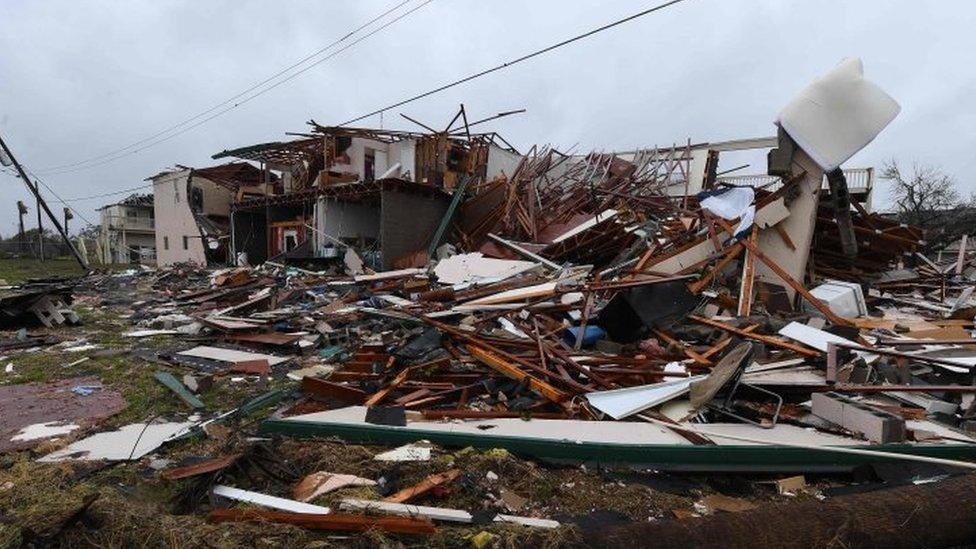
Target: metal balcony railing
(858,180)
(133,224)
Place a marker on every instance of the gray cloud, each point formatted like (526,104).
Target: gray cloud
(81,78)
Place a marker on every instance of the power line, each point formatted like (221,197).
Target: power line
(59,200)
(103,195)
(394,105)
(115,154)
(262,92)
(515,61)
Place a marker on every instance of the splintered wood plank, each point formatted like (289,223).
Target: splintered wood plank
(748,273)
(776,342)
(423,486)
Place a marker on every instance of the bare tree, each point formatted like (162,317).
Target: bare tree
(924,196)
(90,232)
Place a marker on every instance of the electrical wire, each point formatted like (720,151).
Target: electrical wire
(515,61)
(394,105)
(241,102)
(230,99)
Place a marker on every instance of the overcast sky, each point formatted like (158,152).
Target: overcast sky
(79,79)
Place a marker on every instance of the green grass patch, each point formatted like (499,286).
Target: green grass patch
(15,271)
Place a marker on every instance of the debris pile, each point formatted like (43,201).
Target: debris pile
(589,309)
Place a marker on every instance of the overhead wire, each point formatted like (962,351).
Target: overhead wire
(68,201)
(232,98)
(416,97)
(243,101)
(515,61)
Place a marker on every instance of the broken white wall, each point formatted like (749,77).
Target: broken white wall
(404,152)
(697,179)
(501,161)
(357,155)
(174,220)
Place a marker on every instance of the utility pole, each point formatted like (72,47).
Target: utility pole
(40,201)
(21,237)
(40,228)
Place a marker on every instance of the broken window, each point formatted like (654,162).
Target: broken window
(291,239)
(369,165)
(196,199)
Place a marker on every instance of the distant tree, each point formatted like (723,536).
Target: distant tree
(90,232)
(924,196)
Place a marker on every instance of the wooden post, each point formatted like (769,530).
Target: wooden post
(748,272)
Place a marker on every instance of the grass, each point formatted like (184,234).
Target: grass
(15,271)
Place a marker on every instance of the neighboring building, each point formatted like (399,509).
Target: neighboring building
(127,232)
(192,208)
(383,192)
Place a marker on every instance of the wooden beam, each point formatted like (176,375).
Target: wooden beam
(499,364)
(785,277)
(684,348)
(748,273)
(732,253)
(776,342)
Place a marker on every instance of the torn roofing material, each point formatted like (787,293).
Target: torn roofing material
(33,412)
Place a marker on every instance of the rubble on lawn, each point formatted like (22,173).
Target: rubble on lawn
(585,310)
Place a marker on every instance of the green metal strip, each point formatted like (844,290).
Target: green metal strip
(177,387)
(448,215)
(661,456)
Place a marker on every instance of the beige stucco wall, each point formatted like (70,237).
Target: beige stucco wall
(174,220)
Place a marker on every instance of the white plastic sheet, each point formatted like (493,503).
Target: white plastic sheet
(838,114)
(733,203)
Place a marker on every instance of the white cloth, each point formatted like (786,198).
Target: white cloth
(838,114)
(735,202)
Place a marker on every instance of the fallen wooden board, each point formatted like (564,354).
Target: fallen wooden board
(385,275)
(203,467)
(423,486)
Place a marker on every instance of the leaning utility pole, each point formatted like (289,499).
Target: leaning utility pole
(8,155)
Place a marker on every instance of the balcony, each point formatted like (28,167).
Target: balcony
(142,224)
(859,180)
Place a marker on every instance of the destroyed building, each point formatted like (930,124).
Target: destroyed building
(639,345)
(127,231)
(383,191)
(193,206)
